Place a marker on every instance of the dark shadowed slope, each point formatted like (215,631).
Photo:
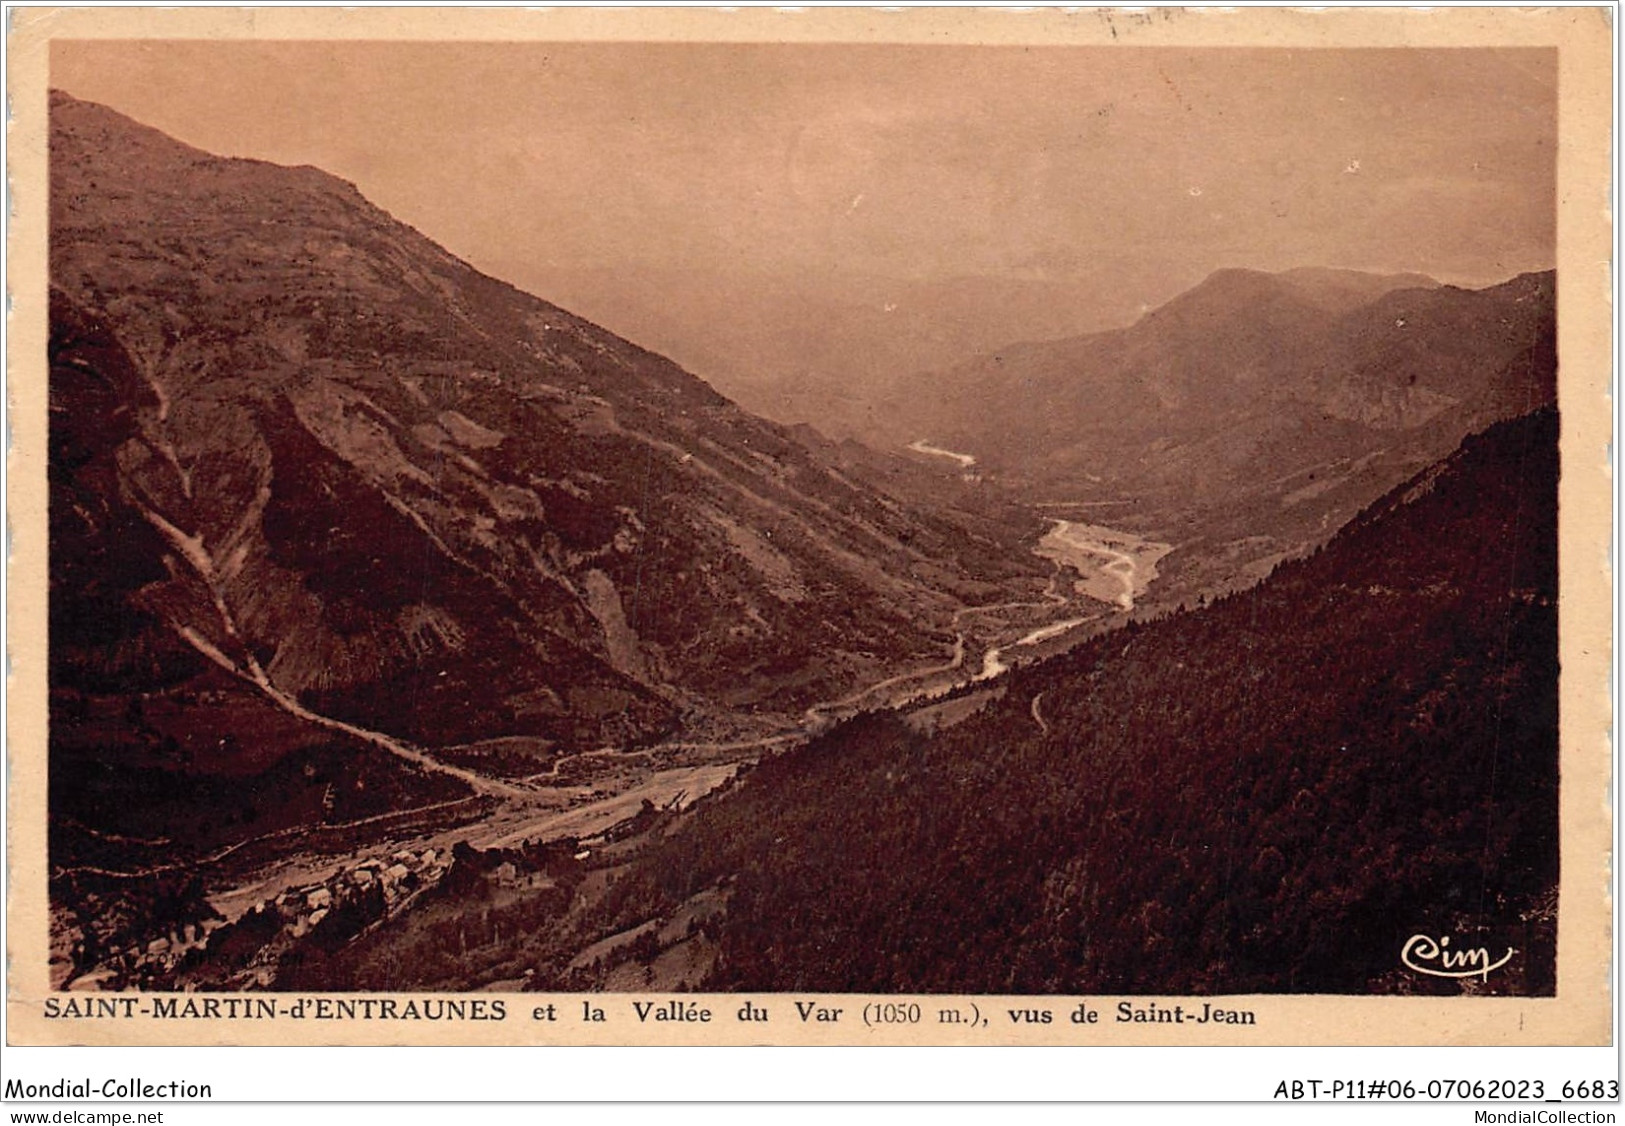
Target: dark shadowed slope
(1268,794)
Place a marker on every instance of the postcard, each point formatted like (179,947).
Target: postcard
(941,526)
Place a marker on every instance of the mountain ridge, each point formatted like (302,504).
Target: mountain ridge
(1242,421)
(374,486)
(1254,318)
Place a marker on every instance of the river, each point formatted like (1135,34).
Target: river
(1113,566)
(923,447)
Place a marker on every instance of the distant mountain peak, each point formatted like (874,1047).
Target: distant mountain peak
(1327,288)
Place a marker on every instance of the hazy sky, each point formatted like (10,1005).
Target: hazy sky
(917,162)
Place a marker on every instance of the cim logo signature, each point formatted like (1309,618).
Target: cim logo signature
(1427,955)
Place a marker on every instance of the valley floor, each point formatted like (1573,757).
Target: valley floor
(592,798)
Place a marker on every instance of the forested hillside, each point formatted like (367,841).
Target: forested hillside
(1270,793)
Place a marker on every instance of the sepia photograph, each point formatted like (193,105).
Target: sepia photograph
(1067,520)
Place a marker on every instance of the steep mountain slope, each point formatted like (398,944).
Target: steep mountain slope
(317,482)
(1268,794)
(1249,418)
(1376,352)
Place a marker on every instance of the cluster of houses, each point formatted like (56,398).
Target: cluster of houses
(366,891)
(386,881)
(394,878)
